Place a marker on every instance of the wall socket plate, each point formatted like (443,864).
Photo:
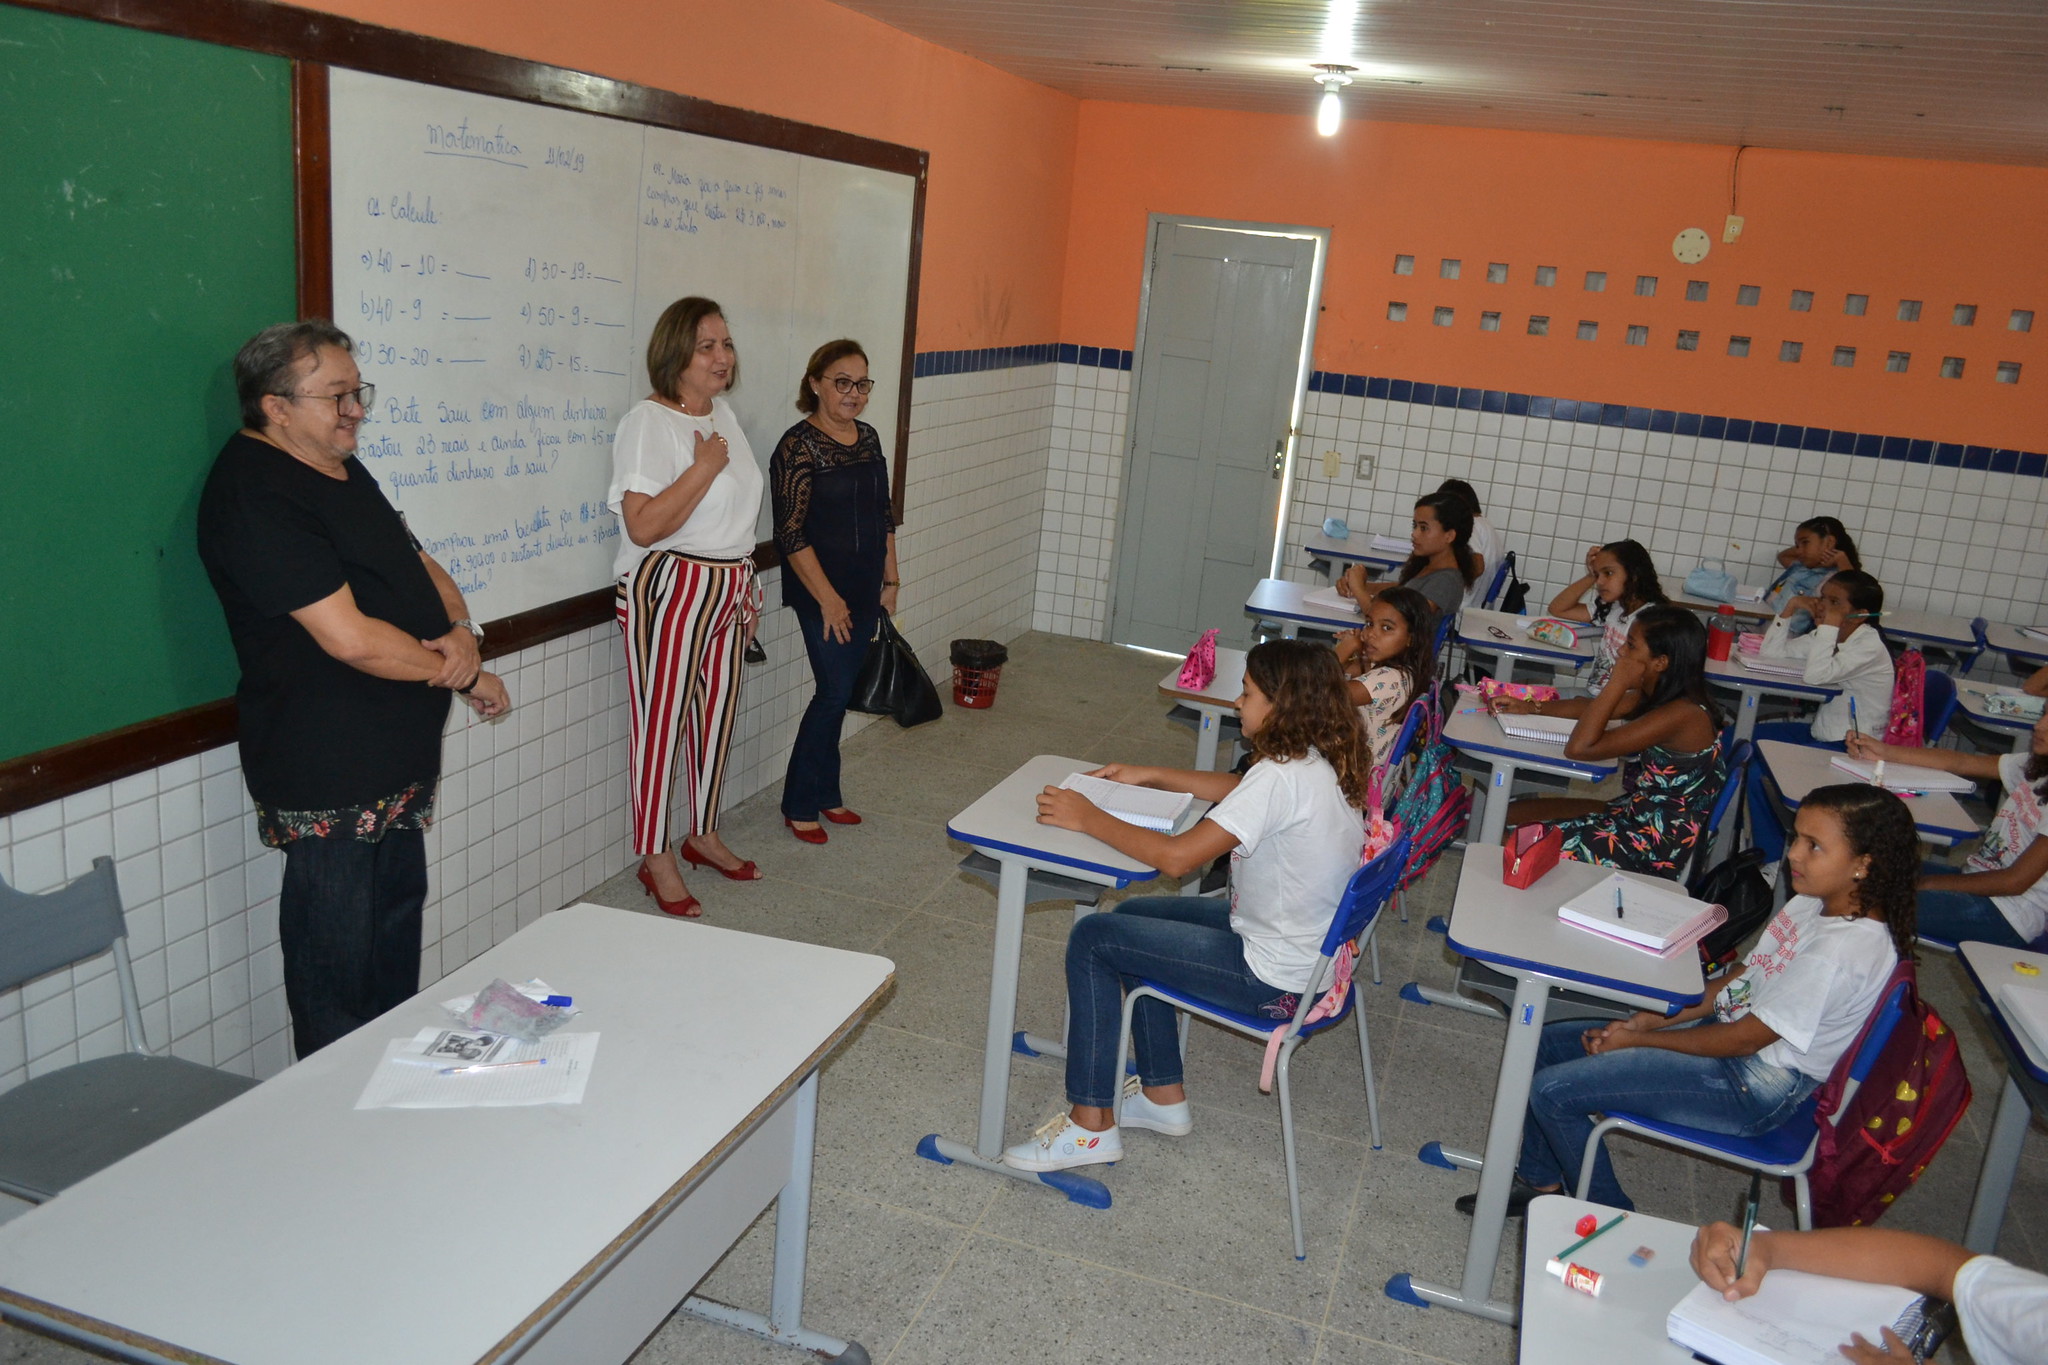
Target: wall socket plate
(1732,229)
(1333,464)
(1365,468)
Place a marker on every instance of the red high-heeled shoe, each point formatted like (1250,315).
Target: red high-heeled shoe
(841,816)
(809,836)
(745,872)
(689,907)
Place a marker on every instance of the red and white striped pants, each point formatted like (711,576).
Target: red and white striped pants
(685,623)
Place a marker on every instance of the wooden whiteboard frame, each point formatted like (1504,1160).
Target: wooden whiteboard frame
(314,42)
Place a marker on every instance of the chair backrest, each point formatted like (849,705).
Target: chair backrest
(1500,579)
(1855,1064)
(1938,704)
(1369,889)
(1980,628)
(1404,741)
(1445,620)
(39,934)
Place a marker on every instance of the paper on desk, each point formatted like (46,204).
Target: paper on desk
(1399,545)
(410,1075)
(1329,599)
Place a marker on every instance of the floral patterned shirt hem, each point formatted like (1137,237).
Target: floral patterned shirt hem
(412,808)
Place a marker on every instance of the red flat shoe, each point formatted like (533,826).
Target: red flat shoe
(809,836)
(689,907)
(842,816)
(745,872)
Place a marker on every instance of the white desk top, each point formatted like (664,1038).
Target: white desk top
(1929,627)
(1476,626)
(1798,768)
(1989,967)
(1561,1326)
(1471,730)
(1276,599)
(2012,640)
(1749,611)
(1970,697)
(1355,549)
(1513,929)
(1005,820)
(1222,690)
(287,1225)
(1729,673)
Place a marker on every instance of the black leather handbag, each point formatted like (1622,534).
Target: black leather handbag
(893,683)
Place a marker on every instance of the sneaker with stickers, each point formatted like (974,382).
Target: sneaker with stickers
(1061,1143)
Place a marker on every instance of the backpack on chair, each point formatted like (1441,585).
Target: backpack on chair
(1434,804)
(1908,723)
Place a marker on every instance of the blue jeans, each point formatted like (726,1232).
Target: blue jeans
(812,782)
(1185,942)
(1736,1095)
(1765,831)
(348,918)
(1963,917)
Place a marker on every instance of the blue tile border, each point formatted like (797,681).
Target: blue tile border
(927,363)
(1783,435)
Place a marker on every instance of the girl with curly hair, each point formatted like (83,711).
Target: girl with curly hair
(1293,827)
(1389,663)
(1769,1032)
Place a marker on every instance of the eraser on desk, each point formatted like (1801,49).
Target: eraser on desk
(2026,969)
(1641,1256)
(1585,1225)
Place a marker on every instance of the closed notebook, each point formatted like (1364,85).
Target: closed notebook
(1145,806)
(2026,1009)
(1777,667)
(1329,599)
(1644,916)
(1793,1319)
(1904,777)
(1393,545)
(1543,729)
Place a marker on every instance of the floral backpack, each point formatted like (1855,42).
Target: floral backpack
(1909,701)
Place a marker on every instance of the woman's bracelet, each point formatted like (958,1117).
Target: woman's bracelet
(892,582)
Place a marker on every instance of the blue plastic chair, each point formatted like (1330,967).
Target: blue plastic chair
(1500,580)
(1356,918)
(1398,755)
(1980,628)
(1937,704)
(1740,754)
(1785,1151)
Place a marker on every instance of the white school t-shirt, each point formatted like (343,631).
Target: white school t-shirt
(1488,545)
(2003,1311)
(2015,826)
(1298,842)
(1613,636)
(1813,978)
(655,445)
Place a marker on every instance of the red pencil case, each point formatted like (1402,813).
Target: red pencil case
(1530,851)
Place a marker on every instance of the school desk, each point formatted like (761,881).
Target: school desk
(1281,602)
(289,1226)
(1003,823)
(1746,611)
(1470,730)
(1755,686)
(1506,638)
(1357,548)
(1970,697)
(2025,652)
(1519,933)
(1796,769)
(1211,704)
(2024,1095)
(1922,629)
(1561,1326)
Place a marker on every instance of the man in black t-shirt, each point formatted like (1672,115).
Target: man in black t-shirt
(350,639)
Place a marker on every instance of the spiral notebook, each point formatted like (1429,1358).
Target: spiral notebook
(1144,806)
(1793,1319)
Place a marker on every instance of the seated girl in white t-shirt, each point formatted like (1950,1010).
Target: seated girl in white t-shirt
(2001,896)
(1769,1032)
(1294,831)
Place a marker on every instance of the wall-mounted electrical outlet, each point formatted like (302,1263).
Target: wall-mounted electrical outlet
(1365,464)
(1333,464)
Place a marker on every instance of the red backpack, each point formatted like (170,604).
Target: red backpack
(1908,720)
(1899,1117)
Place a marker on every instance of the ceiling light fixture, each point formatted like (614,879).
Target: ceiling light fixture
(1332,76)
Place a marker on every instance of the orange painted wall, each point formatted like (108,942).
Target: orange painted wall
(1941,232)
(1001,148)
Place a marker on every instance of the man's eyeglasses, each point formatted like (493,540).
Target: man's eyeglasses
(847,385)
(362,396)
(1497,633)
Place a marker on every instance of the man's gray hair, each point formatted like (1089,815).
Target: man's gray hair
(268,362)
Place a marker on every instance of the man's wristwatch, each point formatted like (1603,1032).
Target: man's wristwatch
(472,627)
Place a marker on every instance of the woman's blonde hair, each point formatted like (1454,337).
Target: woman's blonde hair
(674,340)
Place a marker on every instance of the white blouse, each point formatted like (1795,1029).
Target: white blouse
(655,445)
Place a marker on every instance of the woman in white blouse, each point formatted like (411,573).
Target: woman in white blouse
(688,493)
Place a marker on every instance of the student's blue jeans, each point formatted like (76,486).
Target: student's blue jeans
(812,782)
(348,920)
(1185,942)
(1735,1095)
(1765,832)
(1961,917)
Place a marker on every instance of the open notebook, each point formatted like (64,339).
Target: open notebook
(1903,777)
(1144,806)
(1793,1319)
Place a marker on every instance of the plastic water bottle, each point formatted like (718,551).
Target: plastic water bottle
(1721,634)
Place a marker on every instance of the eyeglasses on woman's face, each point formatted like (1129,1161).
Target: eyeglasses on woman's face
(848,384)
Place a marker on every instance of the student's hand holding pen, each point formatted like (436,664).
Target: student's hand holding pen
(1862,746)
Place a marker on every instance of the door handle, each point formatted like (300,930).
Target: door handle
(1279,455)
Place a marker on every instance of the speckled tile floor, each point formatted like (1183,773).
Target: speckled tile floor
(931,1265)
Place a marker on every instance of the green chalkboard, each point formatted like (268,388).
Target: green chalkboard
(146,231)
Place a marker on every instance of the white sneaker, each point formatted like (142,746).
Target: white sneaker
(1174,1120)
(1060,1143)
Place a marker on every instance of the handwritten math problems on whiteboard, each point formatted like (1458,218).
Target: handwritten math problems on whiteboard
(499,266)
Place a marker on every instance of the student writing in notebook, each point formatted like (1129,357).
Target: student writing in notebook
(1389,663)
(1622,580)
(2000,895)
(1294,830)
(1443,566)
(1819,549)
(2003,1309)
(1669,744)
(1768,1033)
(1843,650)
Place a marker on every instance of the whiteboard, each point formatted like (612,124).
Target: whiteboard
(500,265)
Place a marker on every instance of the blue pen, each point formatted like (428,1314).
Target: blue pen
(1852,718)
